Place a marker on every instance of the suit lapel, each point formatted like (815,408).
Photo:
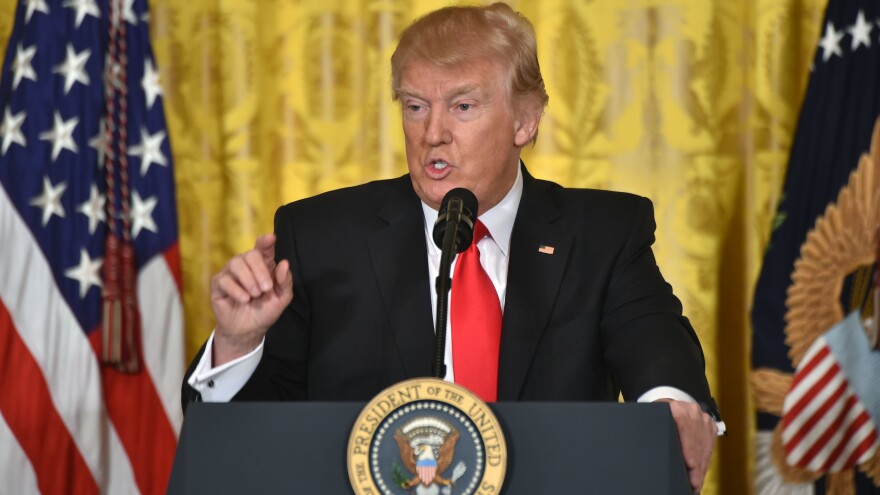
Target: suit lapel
(400,264)
(533,280)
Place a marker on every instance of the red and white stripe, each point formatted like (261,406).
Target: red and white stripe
(825,426)
(426,474)
(67,424)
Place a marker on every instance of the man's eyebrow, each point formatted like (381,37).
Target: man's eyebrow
(402,92)
(456,92)
(463,90)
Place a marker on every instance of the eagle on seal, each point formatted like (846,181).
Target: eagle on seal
(425,460)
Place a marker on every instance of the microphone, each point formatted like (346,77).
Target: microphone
(453,233)
(458,206)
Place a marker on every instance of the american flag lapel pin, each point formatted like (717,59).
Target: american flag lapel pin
(543,248)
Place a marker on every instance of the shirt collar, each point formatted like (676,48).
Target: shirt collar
(498,220)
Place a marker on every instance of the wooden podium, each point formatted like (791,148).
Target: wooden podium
(553,448)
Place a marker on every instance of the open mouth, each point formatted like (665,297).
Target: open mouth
(439,164)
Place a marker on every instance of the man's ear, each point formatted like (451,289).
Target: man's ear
(526,123)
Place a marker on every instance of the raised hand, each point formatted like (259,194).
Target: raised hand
(248,296)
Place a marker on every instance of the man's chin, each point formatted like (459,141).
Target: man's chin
(433,195)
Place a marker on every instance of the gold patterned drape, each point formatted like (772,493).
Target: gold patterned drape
(691,103)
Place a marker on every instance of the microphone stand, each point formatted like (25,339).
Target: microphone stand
(444,284)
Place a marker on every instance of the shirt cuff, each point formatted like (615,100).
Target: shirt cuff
(220,384)
(673,393)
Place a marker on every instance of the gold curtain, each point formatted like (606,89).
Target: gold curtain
(691,103)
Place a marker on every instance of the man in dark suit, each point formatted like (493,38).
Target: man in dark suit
(586,313)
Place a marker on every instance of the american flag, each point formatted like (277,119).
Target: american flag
(829,413)
(69,424)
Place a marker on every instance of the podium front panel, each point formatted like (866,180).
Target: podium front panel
(300,447)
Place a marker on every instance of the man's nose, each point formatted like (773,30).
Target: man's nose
(437,130)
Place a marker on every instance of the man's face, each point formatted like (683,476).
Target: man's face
(461,130)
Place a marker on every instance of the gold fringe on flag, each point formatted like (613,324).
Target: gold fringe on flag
(770,386)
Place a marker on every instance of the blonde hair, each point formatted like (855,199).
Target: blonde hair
(453,35)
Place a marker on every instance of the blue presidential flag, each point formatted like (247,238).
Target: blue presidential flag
(834,129)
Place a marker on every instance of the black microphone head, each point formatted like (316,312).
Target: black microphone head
(467,198)
(462,205)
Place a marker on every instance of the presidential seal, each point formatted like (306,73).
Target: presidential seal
(426,437)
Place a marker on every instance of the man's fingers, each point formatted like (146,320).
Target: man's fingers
(265,245)
(260,271)
(696,480)
(697,466)
(240,270)
(252,274)
(284,281)
(223,285)
(283,277)
(249,272)
(696,431)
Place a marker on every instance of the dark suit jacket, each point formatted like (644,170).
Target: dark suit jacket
(591,320)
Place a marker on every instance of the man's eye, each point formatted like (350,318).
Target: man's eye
(465,106)
(414,108)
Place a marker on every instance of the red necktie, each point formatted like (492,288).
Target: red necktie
(476,323)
